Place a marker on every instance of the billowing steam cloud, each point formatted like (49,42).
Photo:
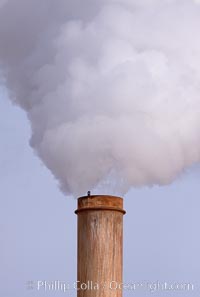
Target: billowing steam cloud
(111,87)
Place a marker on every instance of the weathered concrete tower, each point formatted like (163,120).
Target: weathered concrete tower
(100,246)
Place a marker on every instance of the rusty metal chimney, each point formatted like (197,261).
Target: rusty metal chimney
(100,242)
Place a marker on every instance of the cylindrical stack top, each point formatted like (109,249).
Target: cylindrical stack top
(100,202)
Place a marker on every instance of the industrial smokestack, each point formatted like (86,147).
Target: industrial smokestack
(100,246)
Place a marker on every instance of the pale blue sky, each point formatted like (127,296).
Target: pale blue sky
(38,224)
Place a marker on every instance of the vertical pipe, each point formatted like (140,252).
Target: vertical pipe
(100,240)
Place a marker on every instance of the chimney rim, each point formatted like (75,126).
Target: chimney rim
(100,203)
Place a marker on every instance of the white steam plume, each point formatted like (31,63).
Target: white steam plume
(111,88)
